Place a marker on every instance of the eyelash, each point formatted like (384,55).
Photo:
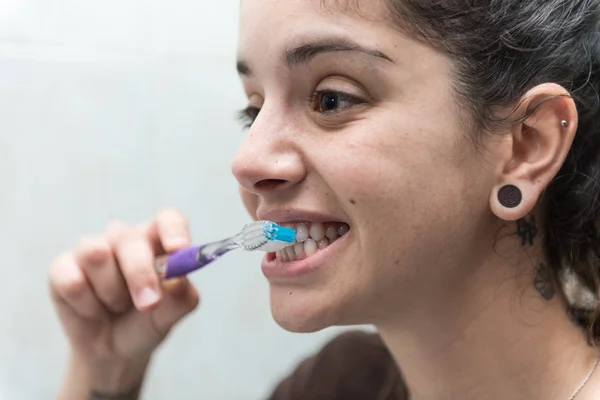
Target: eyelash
(249,114)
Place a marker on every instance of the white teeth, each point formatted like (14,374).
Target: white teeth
(321,244)
(331,233)
(291,254)
(317,231)
(283,255)
(343,229)
(302,232)
(299,250)
(310,238)
(310,247)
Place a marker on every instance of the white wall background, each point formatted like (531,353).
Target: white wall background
(117,108)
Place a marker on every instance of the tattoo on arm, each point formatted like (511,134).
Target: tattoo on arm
(527,230)
(132,394)
(543,282)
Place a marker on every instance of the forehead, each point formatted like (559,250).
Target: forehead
(364,7)
(267,26)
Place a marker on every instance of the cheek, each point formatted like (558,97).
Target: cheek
(401,178)
(250,201)
(372,171)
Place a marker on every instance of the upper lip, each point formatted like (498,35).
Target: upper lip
(291,215)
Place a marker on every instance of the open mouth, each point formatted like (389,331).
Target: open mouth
(311,237)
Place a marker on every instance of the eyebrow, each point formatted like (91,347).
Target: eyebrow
(305,52)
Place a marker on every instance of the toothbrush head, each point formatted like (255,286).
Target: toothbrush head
(266,236)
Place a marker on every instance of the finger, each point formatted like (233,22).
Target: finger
(179,299)
(135,258)
(70,286)
(95,256)
(168,231)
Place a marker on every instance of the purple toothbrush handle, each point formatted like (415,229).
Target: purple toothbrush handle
(183,262)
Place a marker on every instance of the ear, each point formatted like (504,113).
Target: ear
(535,150)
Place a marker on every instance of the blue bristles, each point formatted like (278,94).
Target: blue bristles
(280,233)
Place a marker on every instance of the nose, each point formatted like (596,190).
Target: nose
(269,161)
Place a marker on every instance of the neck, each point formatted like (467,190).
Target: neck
(496,338)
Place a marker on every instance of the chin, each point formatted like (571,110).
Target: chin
(302,310)
(309,310)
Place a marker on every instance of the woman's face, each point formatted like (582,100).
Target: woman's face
(358,128)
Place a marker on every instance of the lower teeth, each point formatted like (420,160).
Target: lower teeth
(310,247)
(299,250)
(322,244)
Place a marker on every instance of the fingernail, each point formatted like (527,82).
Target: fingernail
(147,297)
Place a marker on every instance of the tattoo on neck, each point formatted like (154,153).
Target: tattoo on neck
(543,282)
(527,230)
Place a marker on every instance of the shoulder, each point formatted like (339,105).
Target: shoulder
(354,365)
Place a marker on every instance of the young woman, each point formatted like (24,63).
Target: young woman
(442,158)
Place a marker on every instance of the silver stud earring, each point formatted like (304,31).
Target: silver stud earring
(564,124)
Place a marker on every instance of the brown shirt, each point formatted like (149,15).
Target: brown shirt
(353,366)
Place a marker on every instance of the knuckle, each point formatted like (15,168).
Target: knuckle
(59,264)
(69,284)
(173,230)
(67,281)
(171,216)
(86,241)
(93,250)
(144,226)
(73,287)
(126,240)
(116,229)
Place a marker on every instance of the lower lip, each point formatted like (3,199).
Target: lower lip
(277,269)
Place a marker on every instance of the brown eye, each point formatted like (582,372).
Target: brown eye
(327,102)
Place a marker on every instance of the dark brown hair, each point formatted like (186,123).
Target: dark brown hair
(502,48)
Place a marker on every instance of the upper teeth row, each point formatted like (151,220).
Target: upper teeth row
(318,231)
(311,237)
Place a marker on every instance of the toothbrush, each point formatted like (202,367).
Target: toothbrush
(260,235)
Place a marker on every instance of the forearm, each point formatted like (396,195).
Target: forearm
(103,380)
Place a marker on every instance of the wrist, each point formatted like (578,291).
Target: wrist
(104,379)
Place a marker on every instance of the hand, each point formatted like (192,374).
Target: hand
(112,305)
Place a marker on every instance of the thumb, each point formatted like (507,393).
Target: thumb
(180,298)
